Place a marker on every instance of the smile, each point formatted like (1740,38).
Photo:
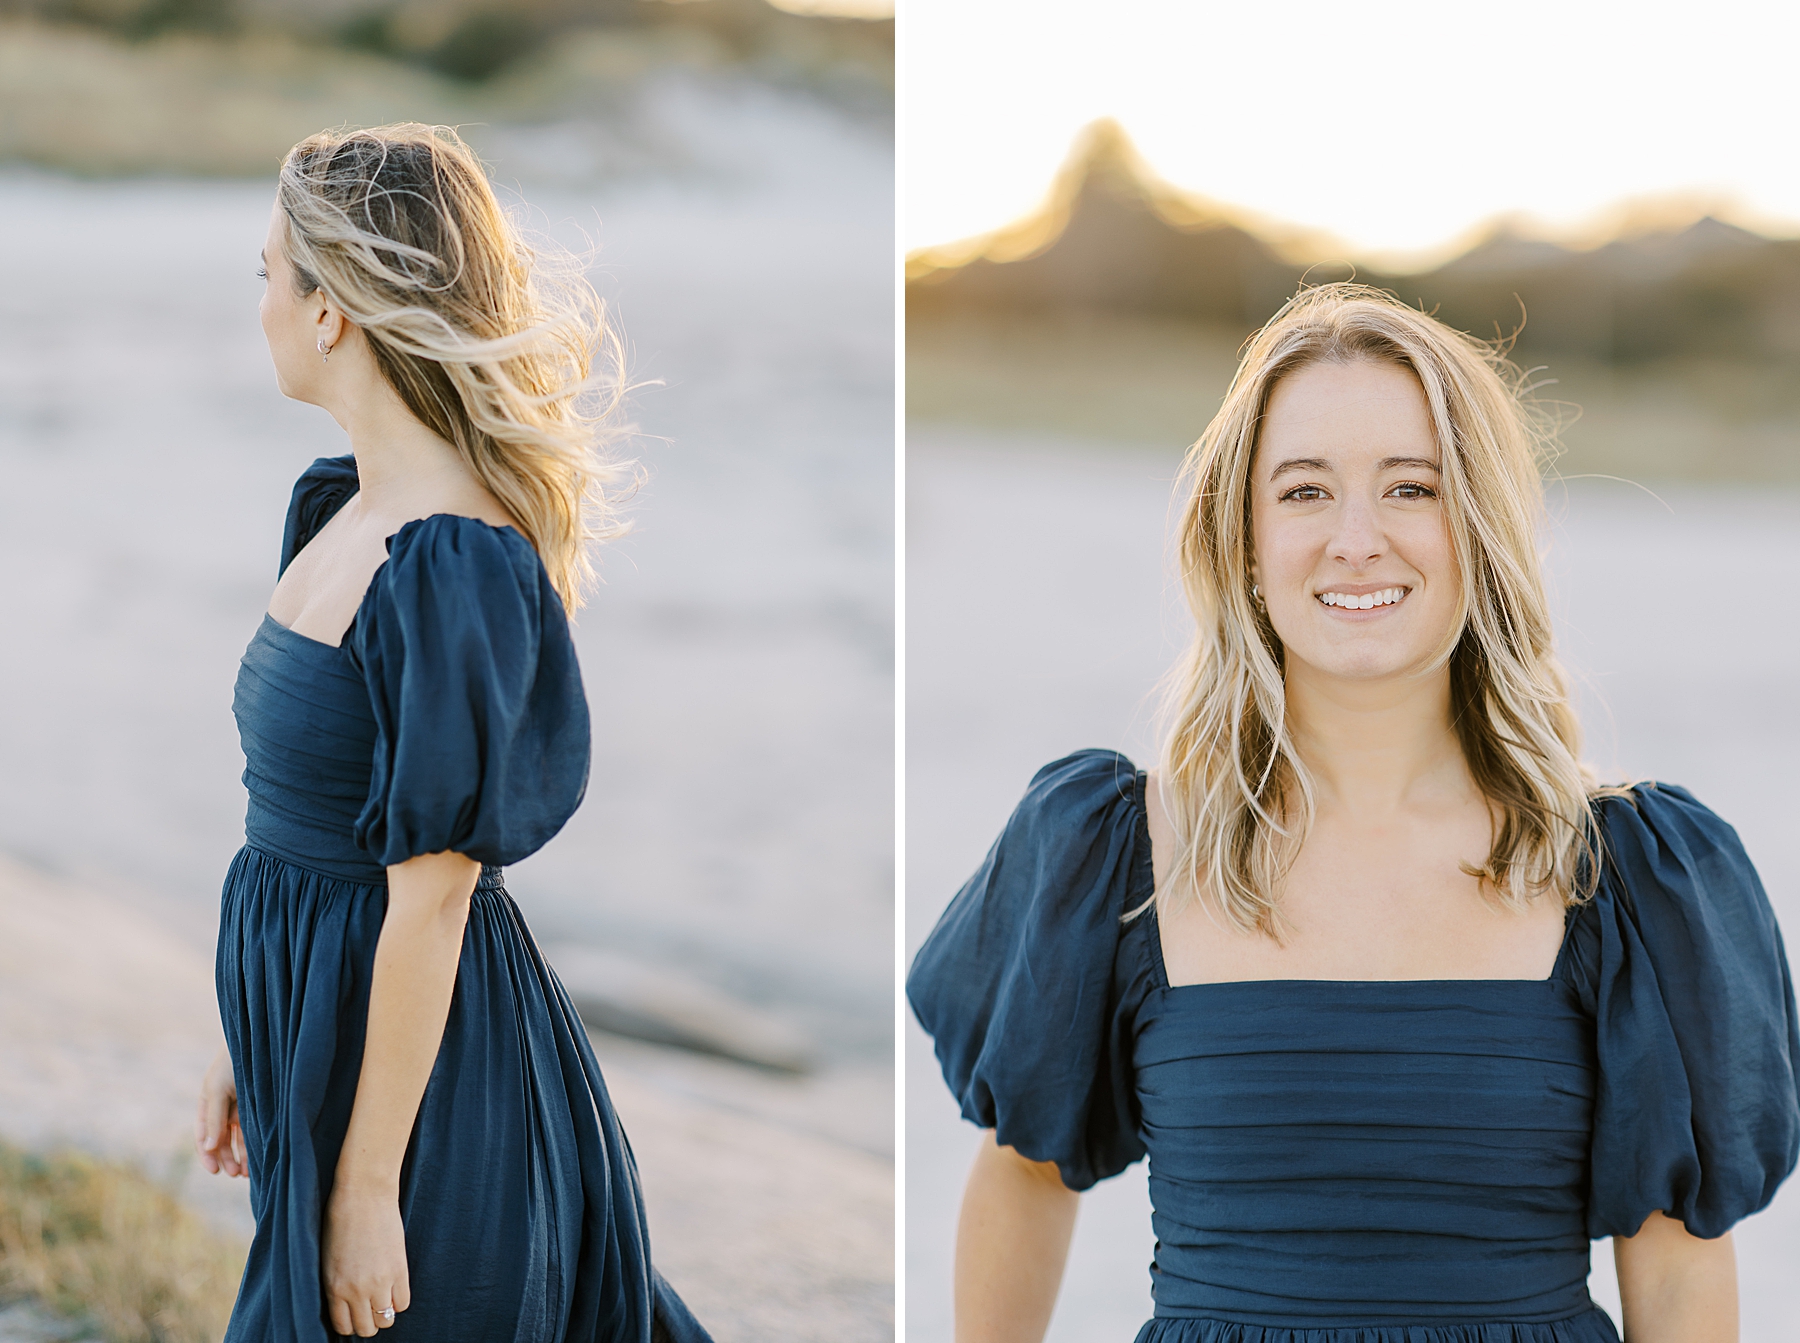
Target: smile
(1366,601)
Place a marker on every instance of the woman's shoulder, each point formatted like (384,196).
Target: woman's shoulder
(1054,885)
(1675,892)
(1657,842)
(464,543)
(467,571)
(1079,786)
(1066,854)
(455,588)
(1022,983)
(322,489)
(1679,959)
(481,717)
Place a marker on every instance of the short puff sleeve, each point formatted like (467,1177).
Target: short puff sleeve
(323,488)
(1678,956)
(481,722)
(1022,984)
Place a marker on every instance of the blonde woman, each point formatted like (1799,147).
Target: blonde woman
(429,1144)
(1401,1007)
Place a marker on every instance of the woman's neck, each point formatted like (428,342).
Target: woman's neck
(1375,748)
(399,462)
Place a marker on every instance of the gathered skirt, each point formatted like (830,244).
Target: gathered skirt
(1590,1326)
(524,1220)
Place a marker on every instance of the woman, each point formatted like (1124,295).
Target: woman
(429,1144)
(1401,1006)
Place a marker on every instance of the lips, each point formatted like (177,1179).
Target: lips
(1363,601)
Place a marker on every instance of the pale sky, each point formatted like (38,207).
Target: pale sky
(1394,126)
(855,9)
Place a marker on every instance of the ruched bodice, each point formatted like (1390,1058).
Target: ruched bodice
(451,717)
(1415,1161)
(1305,1137)
(308,733)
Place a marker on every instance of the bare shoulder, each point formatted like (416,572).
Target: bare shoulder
(324,584)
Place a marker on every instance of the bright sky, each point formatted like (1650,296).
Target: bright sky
(855,9)
(1395,126)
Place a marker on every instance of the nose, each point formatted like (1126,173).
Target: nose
(1358,539)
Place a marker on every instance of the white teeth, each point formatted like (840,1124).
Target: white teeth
(1364,602)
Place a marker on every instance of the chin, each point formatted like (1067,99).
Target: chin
(1364,664)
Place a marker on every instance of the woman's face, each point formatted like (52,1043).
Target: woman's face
(291,323)
(1351,548)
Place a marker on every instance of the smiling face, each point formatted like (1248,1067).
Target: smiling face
(293,324)
(1352,548)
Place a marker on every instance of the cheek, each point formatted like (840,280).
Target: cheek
(1427,549)
(1286,551)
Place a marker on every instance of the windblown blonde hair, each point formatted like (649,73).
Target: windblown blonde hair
(490,342)
(1237,793)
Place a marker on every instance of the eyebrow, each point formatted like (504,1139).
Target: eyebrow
(1320,464)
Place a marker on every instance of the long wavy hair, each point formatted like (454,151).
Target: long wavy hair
(1237,793)
(491,342)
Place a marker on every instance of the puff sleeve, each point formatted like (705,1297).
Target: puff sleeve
(321,490)
(1022,985)
(481,723)
(1679,958)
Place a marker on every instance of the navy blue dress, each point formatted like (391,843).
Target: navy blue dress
(1375,1161)
(452,716)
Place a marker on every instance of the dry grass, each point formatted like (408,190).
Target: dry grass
(101,1241)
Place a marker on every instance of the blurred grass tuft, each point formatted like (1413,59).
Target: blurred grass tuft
(102,1242)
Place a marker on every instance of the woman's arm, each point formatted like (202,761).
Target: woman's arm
(1675,1287)
(364,1244)
(1011,1244)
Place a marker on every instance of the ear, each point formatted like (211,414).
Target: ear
(328,322)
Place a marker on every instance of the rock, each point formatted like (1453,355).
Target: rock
(623,996)
(770,1209)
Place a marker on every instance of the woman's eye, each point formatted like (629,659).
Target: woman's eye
(1412,490)
(1304,494)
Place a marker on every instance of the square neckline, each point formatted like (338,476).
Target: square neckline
(344,638)
(1142,887)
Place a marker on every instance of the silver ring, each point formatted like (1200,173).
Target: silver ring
(387,1314)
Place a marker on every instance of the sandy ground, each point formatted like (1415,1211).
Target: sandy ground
(738,825)
(1038,622)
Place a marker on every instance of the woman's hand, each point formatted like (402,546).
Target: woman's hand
(217,1135)
(363,1256)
